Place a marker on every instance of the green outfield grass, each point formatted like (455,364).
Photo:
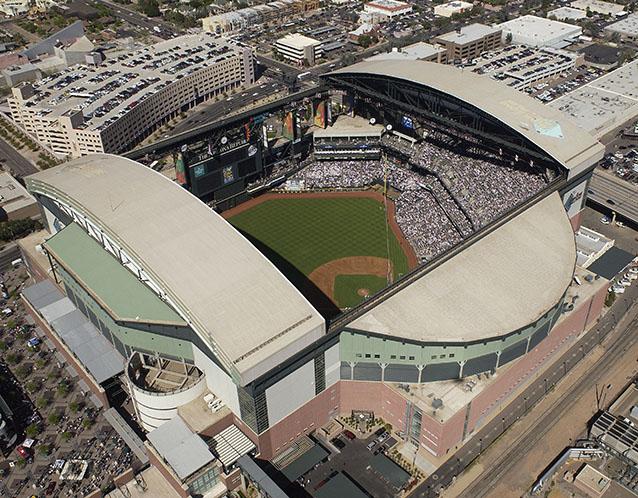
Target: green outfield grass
(300,234)
(347,287)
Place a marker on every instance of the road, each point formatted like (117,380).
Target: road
(209,113)
(15,162)
(528,397)
(137,19)
(624,196)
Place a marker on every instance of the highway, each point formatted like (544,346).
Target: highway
(14,162)
(527,398)
(624,196)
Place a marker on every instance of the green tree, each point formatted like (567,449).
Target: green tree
(21,462)
(32,430)
(74,406)
(44,449)
(3,346)
(610,298)
(53,418)
(364,41)
(41,362)
(87,422)
(32,387)
(11,359)
(66,435)
(149,8)
(42,403)
(21,372)
(53,375)
(63,390)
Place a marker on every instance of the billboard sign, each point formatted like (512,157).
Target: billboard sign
(573,199)
(320,114)
(329,114)
(180,169)
(227,174)
(407,122)
(288,130)
(349,105)
(199,170)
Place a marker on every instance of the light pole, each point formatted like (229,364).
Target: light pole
(503,419)
(525,398)
(480,446)
(545,381)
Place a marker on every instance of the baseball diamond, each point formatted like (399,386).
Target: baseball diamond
(312,238)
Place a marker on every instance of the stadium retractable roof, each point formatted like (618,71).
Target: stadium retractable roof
(243,308)
(501,283)
(547,128)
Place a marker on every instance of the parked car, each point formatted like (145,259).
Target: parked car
(338,443)
(349,434)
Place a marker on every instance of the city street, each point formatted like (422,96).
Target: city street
(14,162)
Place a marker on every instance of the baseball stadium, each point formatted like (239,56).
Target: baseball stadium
(407,224)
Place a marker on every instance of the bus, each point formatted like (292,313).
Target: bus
(303,75)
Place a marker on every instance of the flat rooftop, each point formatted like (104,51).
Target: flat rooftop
(198,416)
(184,450)
(525,266)
(234,298)
(547,128)
(598,6)
(297,40)
(468,34)
(456,394)
(156,486)
(106,92)
(388,4)
(539,28)
(420,50)
(627,26)
(604,103)
(346,126)
(13,195)
(514,64)
(562,13)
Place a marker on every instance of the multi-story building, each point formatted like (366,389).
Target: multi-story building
(469,41)
(520,66)
(420,51)
(296,48)
(450,8)
(256,15)
(111,107)
(599,7)
(539,32)
(390,8)
(627,29)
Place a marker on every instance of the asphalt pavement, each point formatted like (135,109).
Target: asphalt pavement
(14,162)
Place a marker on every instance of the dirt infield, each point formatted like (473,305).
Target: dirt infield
(323,278)
(407,249)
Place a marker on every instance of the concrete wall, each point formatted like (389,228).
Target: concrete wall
(291,392)
(217,380)
(309,417)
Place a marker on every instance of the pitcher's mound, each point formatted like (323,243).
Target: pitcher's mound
(363,292)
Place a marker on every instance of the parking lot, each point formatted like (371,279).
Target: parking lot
(54,420)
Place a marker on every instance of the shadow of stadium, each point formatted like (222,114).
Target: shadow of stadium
(322,303)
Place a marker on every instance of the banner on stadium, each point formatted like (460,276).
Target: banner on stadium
(329,114)
(407,122)
(180,170)
(349,105)
(264,131)
(227,174)
(288,129)
(320,114)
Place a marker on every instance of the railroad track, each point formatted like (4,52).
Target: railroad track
(543,424)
